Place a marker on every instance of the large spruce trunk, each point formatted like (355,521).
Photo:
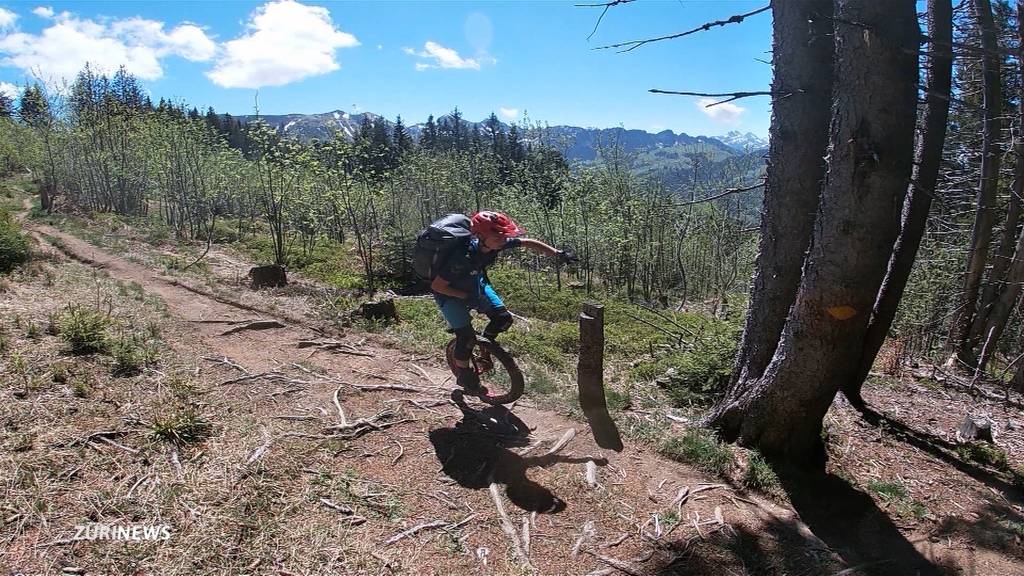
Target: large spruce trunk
(961,339)
(869,168)
(927,159)
(802,50)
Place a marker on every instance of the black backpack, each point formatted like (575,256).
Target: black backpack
(435,243)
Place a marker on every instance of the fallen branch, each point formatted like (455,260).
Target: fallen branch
(337,404)
(255,325)
(363,425)
(508,527)
(225,321)
(586,534)
(261,451)
(413,530)
(629,567)
(562,442)
(613,543)
(591,474)
(227,362)
(338,507)
(681,498)
(399,387)
(334,346)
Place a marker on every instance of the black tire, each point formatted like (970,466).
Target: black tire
(496,394)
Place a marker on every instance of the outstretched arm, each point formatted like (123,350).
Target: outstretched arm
(538,247)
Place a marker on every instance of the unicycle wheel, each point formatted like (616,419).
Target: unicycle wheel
(500,377)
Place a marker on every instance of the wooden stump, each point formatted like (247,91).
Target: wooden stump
(975,428)
(383,310)
(270,276)
(590,371)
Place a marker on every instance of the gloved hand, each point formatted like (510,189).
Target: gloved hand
(566,256)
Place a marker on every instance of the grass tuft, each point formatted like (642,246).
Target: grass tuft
(983,453)
(700,448)
(131,354)
(180,426)
(760,477)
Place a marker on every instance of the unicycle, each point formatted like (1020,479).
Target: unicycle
(502,381)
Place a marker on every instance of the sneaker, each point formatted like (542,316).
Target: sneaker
(469,380)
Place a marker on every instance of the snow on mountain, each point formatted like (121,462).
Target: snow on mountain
(743,142)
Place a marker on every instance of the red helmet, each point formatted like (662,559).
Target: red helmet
(487,222)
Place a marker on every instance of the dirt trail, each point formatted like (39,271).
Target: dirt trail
(441,461)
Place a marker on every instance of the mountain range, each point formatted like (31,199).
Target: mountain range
(578,144)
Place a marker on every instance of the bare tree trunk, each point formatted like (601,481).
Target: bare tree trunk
(1003,306)
(927,158)
(802,86)
(869,166)
(1004,287)
(960,333)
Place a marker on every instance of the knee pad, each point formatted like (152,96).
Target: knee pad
(501,320)
(465,337)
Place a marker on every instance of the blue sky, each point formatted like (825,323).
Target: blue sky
(411,58)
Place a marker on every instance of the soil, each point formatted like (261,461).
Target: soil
(273,489)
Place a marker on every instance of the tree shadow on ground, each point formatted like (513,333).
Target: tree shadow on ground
(848,534)
(852,525)
(939,448)
(475,452)
(999,528)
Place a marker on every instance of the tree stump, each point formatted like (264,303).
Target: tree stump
(975,428)
(590,374)
(382,310)
(270,276)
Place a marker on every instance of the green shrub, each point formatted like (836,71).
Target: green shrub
(83,329)
(80,386)
(697,376)
(701,449)
(14,248)
(983,453)
(131,354)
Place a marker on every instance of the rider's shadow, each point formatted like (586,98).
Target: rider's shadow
(475,452)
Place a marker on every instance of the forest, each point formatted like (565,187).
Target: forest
(773,308)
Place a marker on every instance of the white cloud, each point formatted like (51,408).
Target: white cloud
(509,113)
(727,113)
(7,18)
(43,12)
(437,56)
(285,41)
(62,49)
(380,46)
(10,90)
